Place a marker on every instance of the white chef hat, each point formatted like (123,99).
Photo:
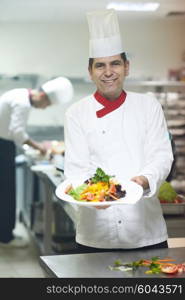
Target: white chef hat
(105,39)
(59,90)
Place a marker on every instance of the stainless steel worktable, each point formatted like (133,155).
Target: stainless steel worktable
(49,179)
(96,265)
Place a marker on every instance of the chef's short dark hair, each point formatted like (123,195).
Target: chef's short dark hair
(123,56)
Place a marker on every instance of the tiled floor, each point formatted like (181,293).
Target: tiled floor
(20,263)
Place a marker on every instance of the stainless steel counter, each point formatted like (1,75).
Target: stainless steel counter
(50,180)
(96,265)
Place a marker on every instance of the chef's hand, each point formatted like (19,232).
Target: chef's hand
(141,180)
(42,149)
(38,146)
(102,207)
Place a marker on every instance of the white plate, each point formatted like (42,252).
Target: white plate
(134,193)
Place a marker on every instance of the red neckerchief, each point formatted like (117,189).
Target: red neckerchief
(109,106)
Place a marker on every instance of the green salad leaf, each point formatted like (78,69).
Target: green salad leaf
(154,268)
(100,175)
(153,265)
(75,193)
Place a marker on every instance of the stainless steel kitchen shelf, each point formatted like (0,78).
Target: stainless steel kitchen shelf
(173,208)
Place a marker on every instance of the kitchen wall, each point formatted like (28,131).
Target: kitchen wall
(153,46)
(50,49)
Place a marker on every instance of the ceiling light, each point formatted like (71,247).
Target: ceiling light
(126,6)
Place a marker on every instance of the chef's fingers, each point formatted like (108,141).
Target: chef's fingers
(137,180)
(141,180)
(42,150)
(102,207)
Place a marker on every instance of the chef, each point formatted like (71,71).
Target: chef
(126,135)
(15,106)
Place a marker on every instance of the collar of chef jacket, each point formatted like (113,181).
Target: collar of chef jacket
(109,106)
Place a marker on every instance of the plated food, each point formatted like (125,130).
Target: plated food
(99,190)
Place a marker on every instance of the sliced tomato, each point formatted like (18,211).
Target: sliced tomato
(68,188)
(101,197)
(178,199)
(90,196)
(181,268)
(163,201)
(169,268)
(112,189)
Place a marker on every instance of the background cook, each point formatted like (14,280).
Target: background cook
(15,106)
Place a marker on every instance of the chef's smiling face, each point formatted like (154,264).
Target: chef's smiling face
(108,73)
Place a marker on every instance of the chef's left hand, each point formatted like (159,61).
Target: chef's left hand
(102,207)
(141,180)
(42,149)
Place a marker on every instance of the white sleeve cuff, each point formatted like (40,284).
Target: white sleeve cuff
(151,191)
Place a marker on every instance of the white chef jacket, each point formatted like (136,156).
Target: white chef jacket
(14,111)
(132,140)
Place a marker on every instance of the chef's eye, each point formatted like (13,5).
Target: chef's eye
(99,65)
(116,63)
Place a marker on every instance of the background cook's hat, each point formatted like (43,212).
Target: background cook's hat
(59,90)
(105,39)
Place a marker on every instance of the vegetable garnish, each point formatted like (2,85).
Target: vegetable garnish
(75,193)
(99,188)
(154,265)
(169,268)
(167,193)
(100,176)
